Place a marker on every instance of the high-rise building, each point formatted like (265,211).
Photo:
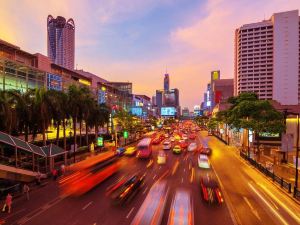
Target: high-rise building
(166,82)
(61,41)
(159,98)
(222,90)
(267,58)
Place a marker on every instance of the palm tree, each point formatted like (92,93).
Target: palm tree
(75,104)
(7,115)
(43,111)
(98,116)
(24,108)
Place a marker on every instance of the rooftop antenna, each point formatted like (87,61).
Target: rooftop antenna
(166,70)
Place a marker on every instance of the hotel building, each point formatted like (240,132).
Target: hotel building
(267,58)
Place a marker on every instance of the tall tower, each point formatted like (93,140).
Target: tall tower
(167,82)
(61,41)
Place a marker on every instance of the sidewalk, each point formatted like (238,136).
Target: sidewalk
(283,170)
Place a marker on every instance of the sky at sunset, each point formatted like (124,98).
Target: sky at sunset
(135,40)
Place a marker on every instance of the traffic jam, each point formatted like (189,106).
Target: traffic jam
(170,147)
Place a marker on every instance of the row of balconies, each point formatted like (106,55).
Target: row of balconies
(270,27)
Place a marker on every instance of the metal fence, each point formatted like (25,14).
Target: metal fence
(279,180)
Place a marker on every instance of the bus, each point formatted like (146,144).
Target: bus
(153,207)
(85,175)
(144,148)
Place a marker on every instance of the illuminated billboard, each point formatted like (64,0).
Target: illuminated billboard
(215,75)
(168,111)
(54,82)
(137,111)
(101,97)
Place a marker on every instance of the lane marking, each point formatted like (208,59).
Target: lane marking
(290,212)
(192,175)
(182,180)
(145,190)
(87,205)
(251,207)
(41,210)
(154,176)
(184,170)
(283,221)
(128,215)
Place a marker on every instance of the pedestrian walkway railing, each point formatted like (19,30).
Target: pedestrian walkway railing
(279,180)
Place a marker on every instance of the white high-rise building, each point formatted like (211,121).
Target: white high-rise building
(267,58)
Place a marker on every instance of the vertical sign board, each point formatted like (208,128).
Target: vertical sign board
(287,142)
(54,82)
(100,141)
(125,134)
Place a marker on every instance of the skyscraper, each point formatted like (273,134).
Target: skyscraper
(166,82)
(267,58)
(61,41)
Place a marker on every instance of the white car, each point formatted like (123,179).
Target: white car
(203,162)
(167,145)
(172,139)
(192,147)
(184,137)
(161,157)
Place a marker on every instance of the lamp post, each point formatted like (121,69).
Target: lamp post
(297,155)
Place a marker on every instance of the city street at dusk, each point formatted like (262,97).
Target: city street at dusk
(130,112)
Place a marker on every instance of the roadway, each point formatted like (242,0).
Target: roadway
(47,206)
(249,197)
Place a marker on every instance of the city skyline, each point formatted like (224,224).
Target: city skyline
(132,44)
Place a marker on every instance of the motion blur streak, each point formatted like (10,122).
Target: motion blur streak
(151,211)
(86,174)
(280,203)
(175,167)
(268,204)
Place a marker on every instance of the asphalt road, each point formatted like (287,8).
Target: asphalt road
(252,198)
(249,197)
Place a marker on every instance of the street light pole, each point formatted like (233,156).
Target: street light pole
(297,155)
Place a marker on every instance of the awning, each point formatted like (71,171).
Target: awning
(52,150)
(18,143)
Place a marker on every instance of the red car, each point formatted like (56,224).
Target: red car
(210,191)
(192,136)
(183,144)
(156,141)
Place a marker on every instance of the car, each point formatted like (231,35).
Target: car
(192,136)
(203,161)
(184,137)
(124,192)
(167,145)
(156,141)
(210,190)
(162,137)
(209,133)
(161,157)
(192,147)
(181,210)
(205,151)
(130,150)
(183,144)
(177,137)
(166,135)
(172,139)
(177,149)
(120,151)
